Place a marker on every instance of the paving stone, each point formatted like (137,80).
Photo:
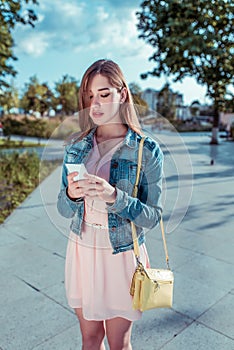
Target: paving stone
(37,266)
(193,297)
(31,319)
(209,270)
(195,241)
(223,251)
(196,337)
(221,317)
(177,256)
(69,339)
(44,235)
(58,294)
(7,238)
(156,328)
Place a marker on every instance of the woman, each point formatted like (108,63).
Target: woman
(100,261)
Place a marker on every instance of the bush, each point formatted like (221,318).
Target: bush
(40,128)
(19,175)
(24,126)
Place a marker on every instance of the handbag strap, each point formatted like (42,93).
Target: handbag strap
(133,227)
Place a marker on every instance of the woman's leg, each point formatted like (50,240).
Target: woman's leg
(93,333)
(118,331)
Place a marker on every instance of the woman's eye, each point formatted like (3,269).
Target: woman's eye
(105,95)
(90,97)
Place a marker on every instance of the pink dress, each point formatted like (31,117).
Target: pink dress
(95,279)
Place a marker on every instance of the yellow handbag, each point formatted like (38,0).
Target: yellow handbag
(150,287)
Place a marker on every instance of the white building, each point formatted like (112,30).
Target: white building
(151,98)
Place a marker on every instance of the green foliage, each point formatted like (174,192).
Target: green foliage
(140,104)
(67,94)
(25,126)
(24,173)
(10,98)
(7,144)
(6,53)
(37,97)
(11,13)
(19,175)
(191,38)
(40,128)
(167,103)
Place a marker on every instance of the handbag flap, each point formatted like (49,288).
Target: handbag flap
(160,275)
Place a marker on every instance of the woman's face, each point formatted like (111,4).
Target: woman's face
(104,101)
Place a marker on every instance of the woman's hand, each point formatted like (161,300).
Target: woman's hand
(98,187)
(92,186)
(75,189)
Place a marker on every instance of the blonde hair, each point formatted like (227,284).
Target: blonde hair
(113,73)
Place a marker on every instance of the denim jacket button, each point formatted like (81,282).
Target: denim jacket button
(115,165)
(113,228)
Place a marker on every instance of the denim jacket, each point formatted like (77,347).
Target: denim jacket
(144,211)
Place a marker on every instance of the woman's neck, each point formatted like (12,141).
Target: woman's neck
(111,131)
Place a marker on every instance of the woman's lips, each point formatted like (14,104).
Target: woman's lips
(97,114)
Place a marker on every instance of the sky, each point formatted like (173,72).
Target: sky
(71,34)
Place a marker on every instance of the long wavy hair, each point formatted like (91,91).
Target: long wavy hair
(113,73)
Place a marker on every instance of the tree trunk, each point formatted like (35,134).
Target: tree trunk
(214,137)
(215,128)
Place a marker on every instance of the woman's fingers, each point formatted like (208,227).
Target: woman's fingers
(101,188)
(76,188)
(93,190)
(92,186)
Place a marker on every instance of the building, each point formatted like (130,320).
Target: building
(151,98)
(227,120)
(167,103)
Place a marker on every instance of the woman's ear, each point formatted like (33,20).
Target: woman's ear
(123,95)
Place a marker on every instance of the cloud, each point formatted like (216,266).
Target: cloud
(78,26)
(35,44)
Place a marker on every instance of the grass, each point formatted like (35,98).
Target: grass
(5,144)
(19,176)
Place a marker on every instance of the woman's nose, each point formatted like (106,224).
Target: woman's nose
(95,100)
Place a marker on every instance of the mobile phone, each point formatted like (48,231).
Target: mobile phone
(80,168)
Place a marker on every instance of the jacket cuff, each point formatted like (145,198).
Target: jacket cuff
(75,200)
(69,202)
(120,203)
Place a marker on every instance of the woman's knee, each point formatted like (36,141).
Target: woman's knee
(93,341)
(93,332)
(119,344)
(118,333)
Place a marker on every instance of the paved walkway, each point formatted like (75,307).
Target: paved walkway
(33,310)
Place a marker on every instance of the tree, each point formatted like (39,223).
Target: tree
(37,97)
(11,13)
(229,103)
(140,104)
(67,94)
(167,102)
(10,98)
(192,38)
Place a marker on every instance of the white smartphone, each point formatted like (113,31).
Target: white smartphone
(80,168)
